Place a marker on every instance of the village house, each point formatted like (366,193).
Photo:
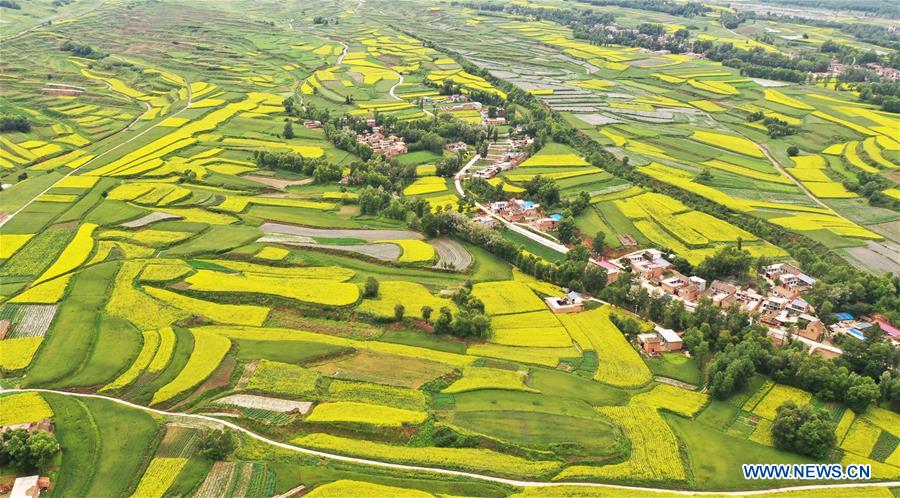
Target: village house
(456,147)
(774,303)
(687,288)
(29,487)
(486,173)
(486,220)
(389,146)
(4,329)
(648,263)
(612,270)
(545,224)
(518,210)
(861,327)
(312,123)
(884,72)
(722,294)
(570,303)
(749,300)
(448,98)
(811,327)
(520,143)
(788,280)
(661,340)
(797,307)
(44,424)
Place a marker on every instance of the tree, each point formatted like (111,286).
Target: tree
(444,321)
(804,430)
(861,393)
(10,122)
(566,230)
(26,451)
(426,312)
(793,150)
(594,278)
(399,310)
(599,242)
(217,445)
(371,287)
(288,129)
(728,262)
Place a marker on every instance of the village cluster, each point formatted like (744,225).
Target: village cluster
(782,309)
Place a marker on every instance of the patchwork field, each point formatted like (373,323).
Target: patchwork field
(189,222)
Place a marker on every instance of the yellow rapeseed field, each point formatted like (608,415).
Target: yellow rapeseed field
(326,292)
(861,438)
(209,349)
(221,313)
(475,378)
(778,395)
(426,185)
(674,399)
(728,142)
(414,251)
(10,243)
(620,364)
(506,297)
(73,255)
(21,408)
(411,295)
(344,488)
(159,477)
(352,412)
(654,455)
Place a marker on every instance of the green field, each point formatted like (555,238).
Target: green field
(197,213)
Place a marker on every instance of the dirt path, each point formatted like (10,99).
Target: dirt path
(391,91)
(205,419)
(277,182)
(674,382)
(784,171)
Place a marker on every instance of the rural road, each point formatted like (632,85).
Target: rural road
(391,91)
(556,246)
(783,170)
(437,470)
(190,97)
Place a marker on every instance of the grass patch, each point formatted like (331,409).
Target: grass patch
(675,366)
(87,294)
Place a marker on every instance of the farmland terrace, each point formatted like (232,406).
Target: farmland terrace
(372,248)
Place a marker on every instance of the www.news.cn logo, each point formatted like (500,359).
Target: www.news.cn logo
(834,471)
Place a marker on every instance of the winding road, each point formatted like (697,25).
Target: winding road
(437,470)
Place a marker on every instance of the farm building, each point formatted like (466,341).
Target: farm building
(29,487)
(789,281)
(570,303)
(648,263)
(687,288)
(455,146)
(659,341)
(612,270)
